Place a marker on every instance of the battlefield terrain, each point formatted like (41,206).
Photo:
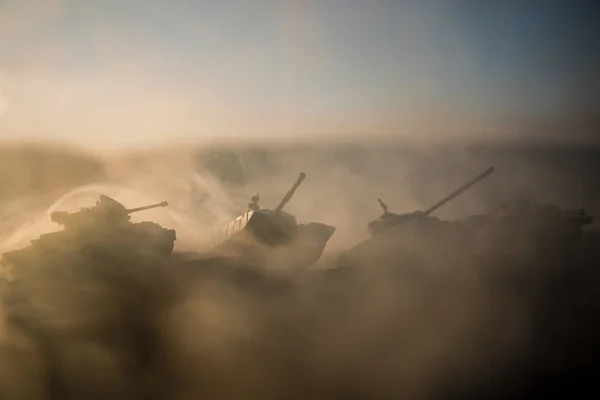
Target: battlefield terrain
(423,316)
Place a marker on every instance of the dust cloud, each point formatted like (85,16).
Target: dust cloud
(445,325)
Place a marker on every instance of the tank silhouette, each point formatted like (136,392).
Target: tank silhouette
(526,210)
(387,220)
(103,229)
(390,229)
(265,235)
(523,223)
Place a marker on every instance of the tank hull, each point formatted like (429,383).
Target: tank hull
(263,237)
(145,239)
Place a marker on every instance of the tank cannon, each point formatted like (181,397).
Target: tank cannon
(291,192)
(260,233)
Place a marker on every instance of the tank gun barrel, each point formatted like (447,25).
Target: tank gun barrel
(291,192)
(458,191)
(133,210)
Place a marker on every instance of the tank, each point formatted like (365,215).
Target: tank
(265,235)
(390,233)
(523,223)
(526,210)
(388,221)
(103,229)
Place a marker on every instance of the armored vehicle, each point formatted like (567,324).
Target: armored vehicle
(387,220)
(525,224)
(526,211)
(100,230)
(273,236)
(392,233)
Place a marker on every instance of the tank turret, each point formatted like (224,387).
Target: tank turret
(106,211)
(388,220)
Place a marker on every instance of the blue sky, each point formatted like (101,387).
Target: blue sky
(290,67)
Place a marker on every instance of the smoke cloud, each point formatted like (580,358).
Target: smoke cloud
(439,325)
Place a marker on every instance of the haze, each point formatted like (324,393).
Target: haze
(131,73)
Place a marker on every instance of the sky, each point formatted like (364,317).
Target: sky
(138,72)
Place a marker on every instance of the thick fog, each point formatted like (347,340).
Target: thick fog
(431,327)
